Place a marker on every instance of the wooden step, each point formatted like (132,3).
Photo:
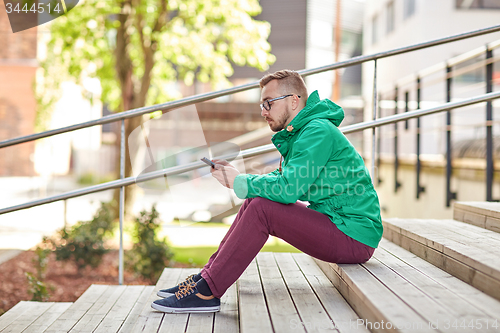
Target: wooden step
(479,213)
(101,308)
(398,290)
(148,319)
(278,292)
(32,317)
(468,252)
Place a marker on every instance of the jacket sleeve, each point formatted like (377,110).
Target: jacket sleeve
(309,155)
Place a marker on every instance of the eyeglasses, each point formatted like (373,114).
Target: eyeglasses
(267,103)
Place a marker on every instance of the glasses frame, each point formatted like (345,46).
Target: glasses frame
(266,104)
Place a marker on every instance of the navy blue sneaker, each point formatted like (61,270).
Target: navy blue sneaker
(187,299)
(191,279)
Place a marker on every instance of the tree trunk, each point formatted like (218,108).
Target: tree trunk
(134,93)
(124,72)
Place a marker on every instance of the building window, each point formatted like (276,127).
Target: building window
(390,16)
(408,8)
(477,4)
(374,29)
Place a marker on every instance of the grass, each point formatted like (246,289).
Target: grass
(198,256)
(200,224)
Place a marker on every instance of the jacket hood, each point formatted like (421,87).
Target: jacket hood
(316,109)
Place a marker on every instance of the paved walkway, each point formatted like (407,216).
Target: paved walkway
(7,254)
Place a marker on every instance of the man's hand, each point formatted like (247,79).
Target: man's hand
(224,172)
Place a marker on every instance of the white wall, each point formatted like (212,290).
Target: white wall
(432,202)
(319,45)
(432,19)
(52,155)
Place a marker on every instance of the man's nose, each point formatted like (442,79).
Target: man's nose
(264,112)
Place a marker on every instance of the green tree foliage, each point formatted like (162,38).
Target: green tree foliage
(137,48)
(149,255)
(83,243)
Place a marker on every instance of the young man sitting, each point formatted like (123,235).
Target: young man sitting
(342,222)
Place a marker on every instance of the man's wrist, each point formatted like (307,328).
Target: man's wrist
(240,186)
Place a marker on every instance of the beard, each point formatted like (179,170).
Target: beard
(278,124)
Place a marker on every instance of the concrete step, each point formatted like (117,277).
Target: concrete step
(479,213)
(467,252)
(398,291)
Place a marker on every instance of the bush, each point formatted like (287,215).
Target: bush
(38,288)
(148,256)
(83,243)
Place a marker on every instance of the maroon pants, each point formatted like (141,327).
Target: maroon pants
(307,230)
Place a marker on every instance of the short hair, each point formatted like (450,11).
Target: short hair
(290,82)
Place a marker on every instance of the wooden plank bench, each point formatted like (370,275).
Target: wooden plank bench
(468,252)
(397,290)
(278,292)
(482,214)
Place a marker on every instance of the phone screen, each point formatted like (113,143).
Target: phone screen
(208,162)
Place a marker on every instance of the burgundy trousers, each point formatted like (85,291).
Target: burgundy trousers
(309,231)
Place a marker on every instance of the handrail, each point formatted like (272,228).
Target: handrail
(250,152)
(211,95)
(410,78)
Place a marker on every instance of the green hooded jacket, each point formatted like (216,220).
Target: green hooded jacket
(321,167)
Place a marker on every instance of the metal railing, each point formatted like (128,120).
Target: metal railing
(122,182)
(449,71)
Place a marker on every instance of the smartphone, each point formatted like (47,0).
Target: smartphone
(207,161)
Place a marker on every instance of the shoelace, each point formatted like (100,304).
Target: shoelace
(189,280)
(185,290)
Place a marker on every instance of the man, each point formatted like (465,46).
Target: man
(342,223)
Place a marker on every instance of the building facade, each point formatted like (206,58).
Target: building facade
(18,65)
(390,24)
(442,76)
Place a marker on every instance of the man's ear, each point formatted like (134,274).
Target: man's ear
(295,102)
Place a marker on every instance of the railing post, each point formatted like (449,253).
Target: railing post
(449,194)
(407,107)
(65,213)
(122,201)
(489,128)
(374,118)
(397,184)
(418,166)
(379,143)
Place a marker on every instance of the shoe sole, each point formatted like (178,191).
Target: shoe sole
(166,309)
(164,294)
